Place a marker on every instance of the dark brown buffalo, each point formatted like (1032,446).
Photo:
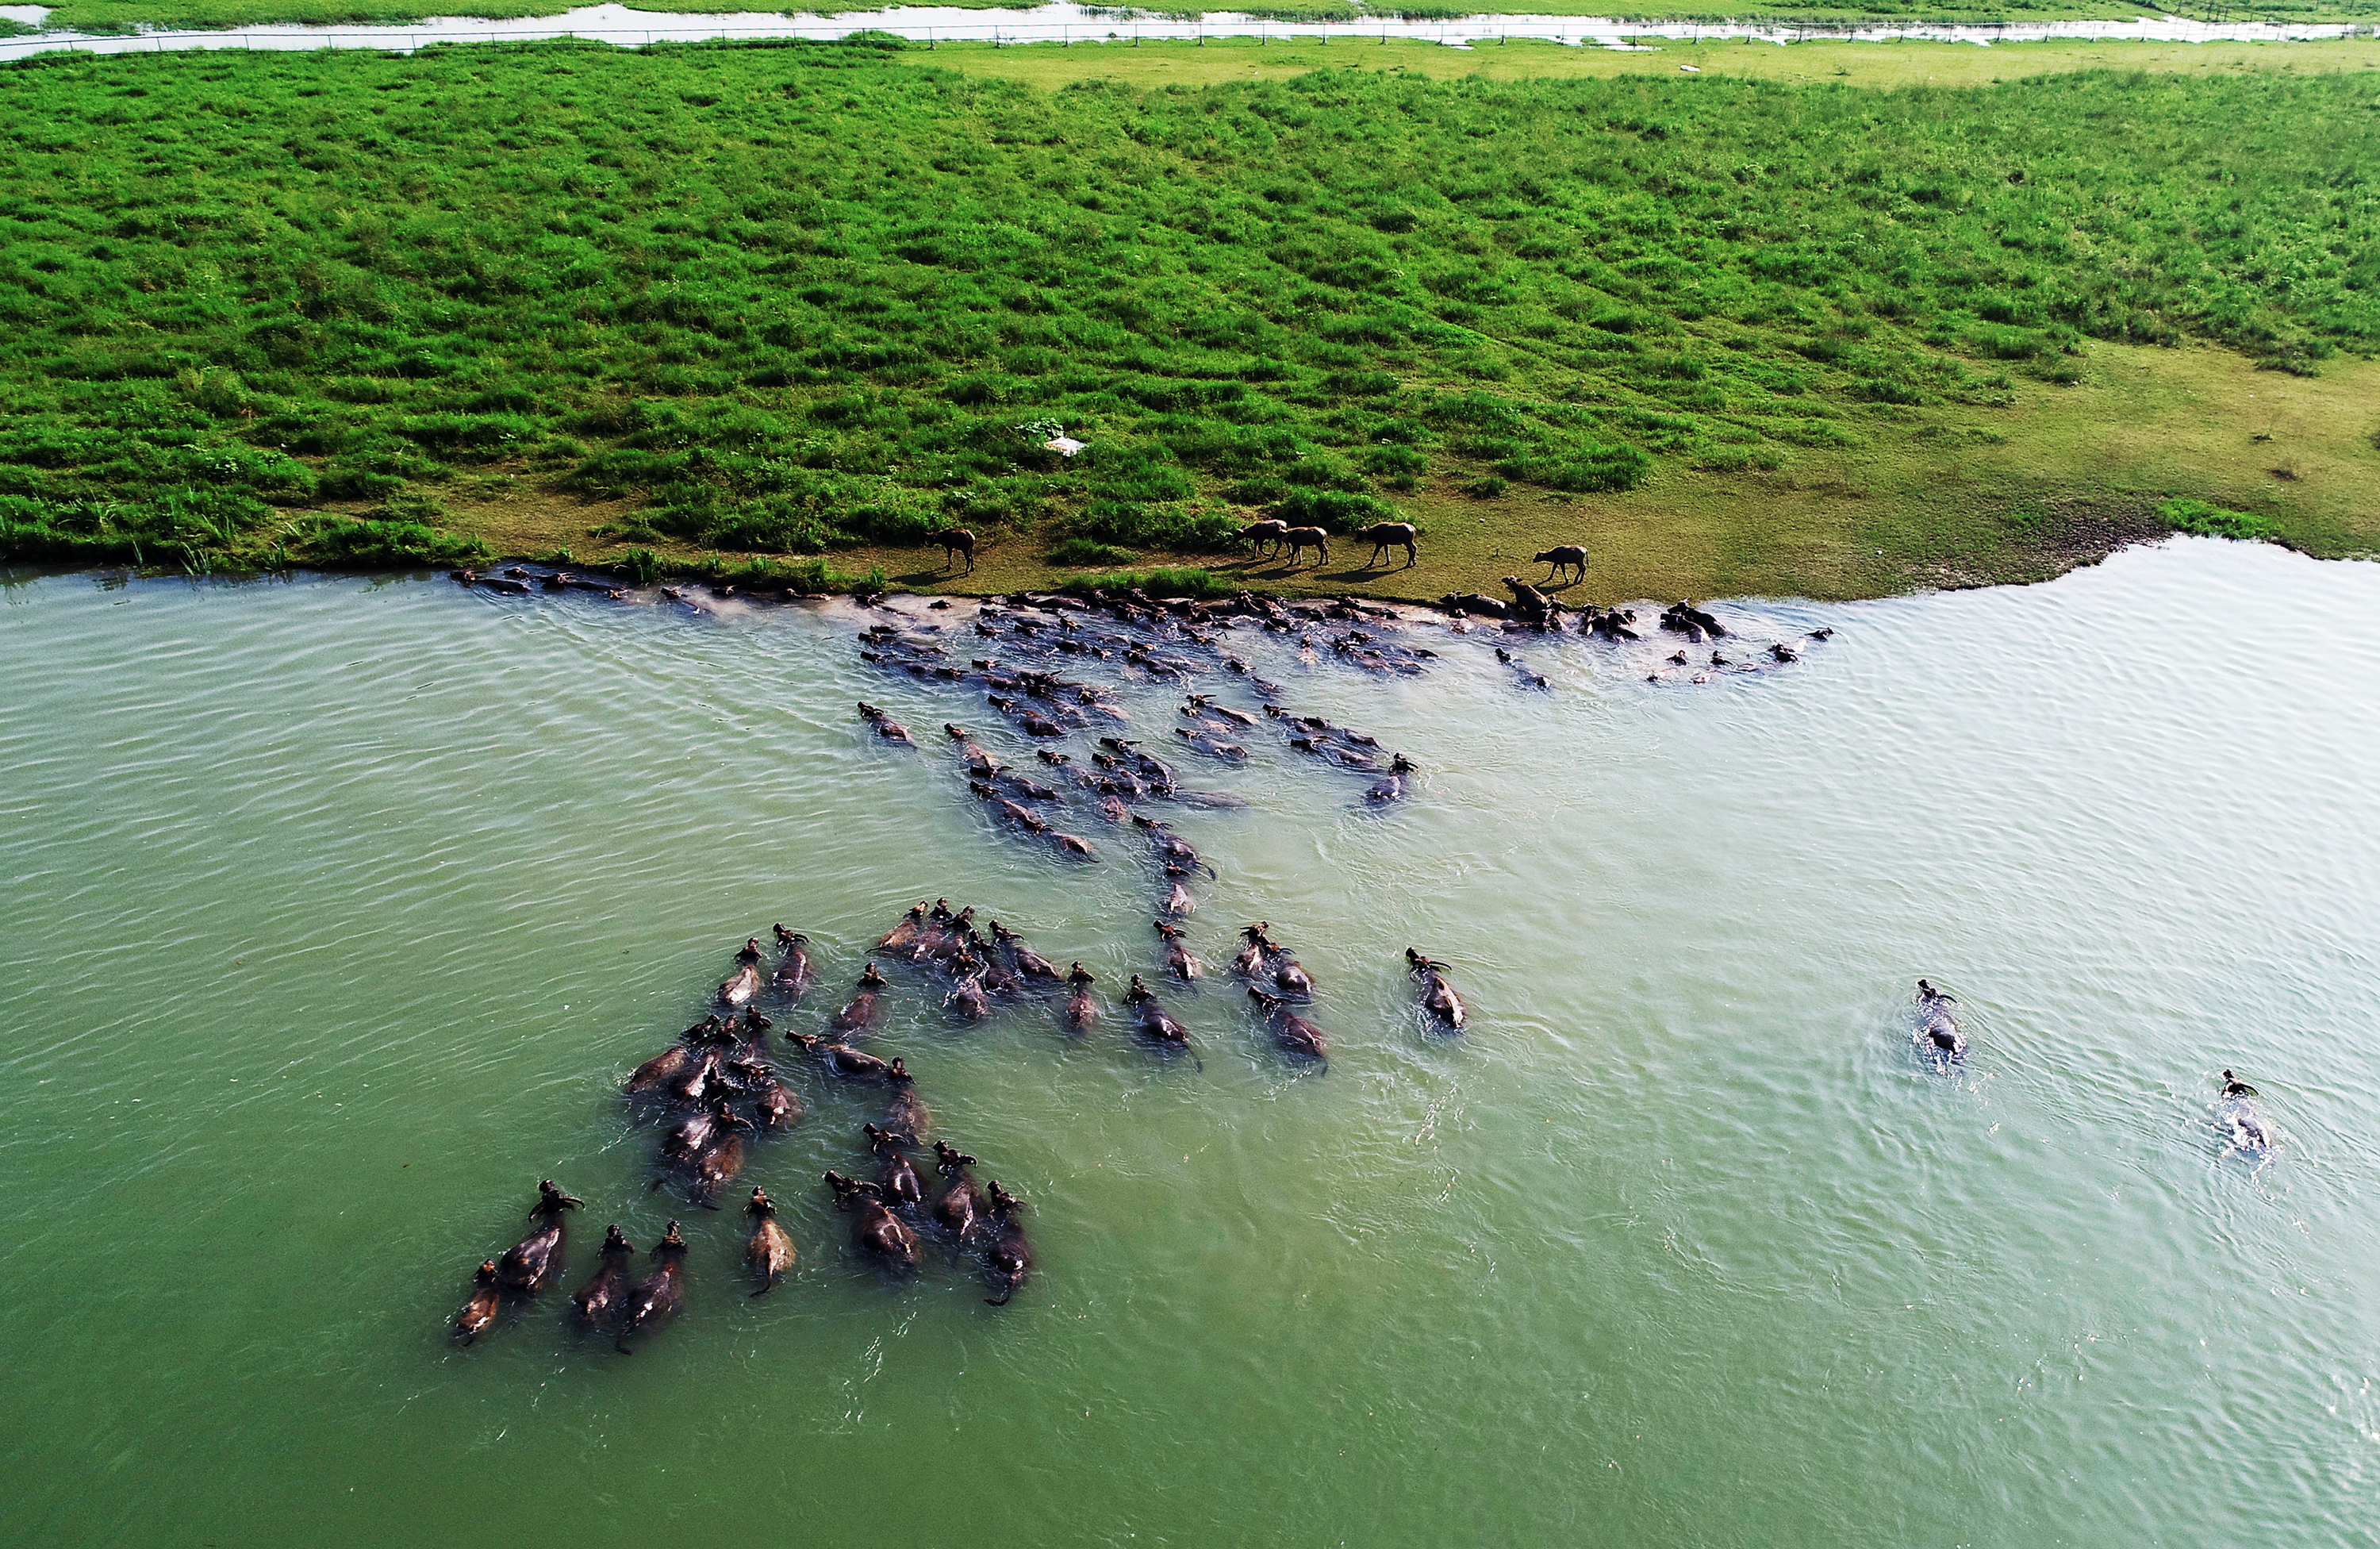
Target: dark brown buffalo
(593,1304)
(896,1180)
(886,727)
(1266,535)
(1529,604)
(776,1107)
(792,975)
(1294,1034)
(1300,539)
(1393,788)
(1387,535)
(531,1265)
(1027,963)
(694,1082)
(1179,961)
(960,1207)
(955,541)
(848,1062)
(1568,556)
(1153,1020)
(657,1296)
(1009,1259)
(481,1311)
(906,932)
(967,999)
(685,1140)
(744,982)
(875,1230)
(770,1251)
(1438,996)
(660,1070)
(721,1161)
(905,1115)
(863,1012)
(1081,1009)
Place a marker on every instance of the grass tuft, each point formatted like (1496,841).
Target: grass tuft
(1161,582)
(2210,520)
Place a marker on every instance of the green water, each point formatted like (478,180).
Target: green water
(334,912)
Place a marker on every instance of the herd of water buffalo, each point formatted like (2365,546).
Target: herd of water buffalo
(718,1083)
(1050,667)
(1530,608)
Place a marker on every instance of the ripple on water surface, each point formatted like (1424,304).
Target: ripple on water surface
(336,911)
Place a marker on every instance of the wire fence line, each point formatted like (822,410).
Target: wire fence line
(1469,32)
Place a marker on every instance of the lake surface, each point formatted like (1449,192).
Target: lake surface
(334,911)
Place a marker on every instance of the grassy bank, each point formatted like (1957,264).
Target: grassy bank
(786,301)
(114,15)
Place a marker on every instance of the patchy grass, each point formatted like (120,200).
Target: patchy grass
(1179,582)
(711,303)
(1244,61)
(119,15)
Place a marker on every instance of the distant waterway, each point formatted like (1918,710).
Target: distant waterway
(1092,24)
(334,911)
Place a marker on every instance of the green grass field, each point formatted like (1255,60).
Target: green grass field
(718,303)
(113,16)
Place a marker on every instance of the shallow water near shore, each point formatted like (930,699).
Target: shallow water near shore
(335,909)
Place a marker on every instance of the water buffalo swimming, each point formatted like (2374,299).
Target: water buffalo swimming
(896,1181)
(1009,1259)
(905,1112)
(662,1068)
(848,1062)
(960,1207)
(862,1012)
(720,1160)
(875,1230)
(1296,1035)
(793,974)
(594,1304)
(769,1253)
(886,727)
(1081,1009)
(1154,1021)
(906,932)
(531,1265)
(479,1312)
(657,1296)
(1051,661)
(1438,996)
(1027,963)
(1263,957)
(1937,1028)
(744,982)
(1179,961)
